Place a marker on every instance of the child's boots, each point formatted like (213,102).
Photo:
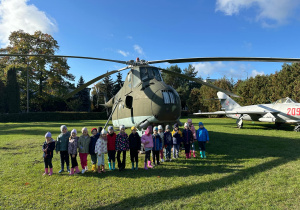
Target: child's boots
(204,156)
(62,169)
(46,171)
(109,165)
(194,153)
(114,165)
(99,170)
(136,166)
(72,171)
(68,169)
(132,165)
(51,172)
(103,170)
(94,167)
(145,166)
(201,154)
(77,171)
(149,164)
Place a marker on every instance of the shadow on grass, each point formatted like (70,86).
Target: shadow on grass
(191,190)
(236,150)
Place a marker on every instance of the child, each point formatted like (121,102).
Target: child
(72,150)
(168,141)
(111,146)
(94,138)
(83,145)
(203,138)
(62,146)
(192,127)
(135,146)
(176,134)
(187,140)
(157,145)
(48,147)
(148,145)
(161,133)
(101,149)
(122,145)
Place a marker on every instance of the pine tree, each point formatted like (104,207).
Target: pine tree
(12,91)
(118,84)
(83,97)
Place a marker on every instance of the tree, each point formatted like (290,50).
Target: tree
(118,84)
(2,95)
(82,98)
(48,75)
(12,92)
(169,79)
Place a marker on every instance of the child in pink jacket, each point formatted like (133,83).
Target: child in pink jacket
(148,145)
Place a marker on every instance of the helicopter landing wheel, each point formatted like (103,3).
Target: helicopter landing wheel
(297,128)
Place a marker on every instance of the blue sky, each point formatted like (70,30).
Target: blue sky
(154,30)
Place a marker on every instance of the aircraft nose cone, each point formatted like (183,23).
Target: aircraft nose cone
(166,105)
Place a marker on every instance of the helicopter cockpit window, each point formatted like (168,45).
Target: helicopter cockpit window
(148,73)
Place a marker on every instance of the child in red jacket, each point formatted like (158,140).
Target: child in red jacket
(111,147)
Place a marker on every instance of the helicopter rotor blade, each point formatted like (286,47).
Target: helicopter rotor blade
(214,59)
(63,56)
(198,81)
(93,81)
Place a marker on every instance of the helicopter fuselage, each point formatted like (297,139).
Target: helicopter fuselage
(145,100)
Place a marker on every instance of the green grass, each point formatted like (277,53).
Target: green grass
(251,168)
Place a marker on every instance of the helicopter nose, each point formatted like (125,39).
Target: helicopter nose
(166,105)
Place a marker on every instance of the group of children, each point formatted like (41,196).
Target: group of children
(100,142)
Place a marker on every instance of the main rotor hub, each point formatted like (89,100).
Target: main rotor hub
(137,62)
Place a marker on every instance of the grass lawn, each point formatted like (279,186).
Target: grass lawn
(250,168)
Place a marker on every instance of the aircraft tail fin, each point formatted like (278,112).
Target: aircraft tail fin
(227,103)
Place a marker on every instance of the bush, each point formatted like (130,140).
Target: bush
(52,116)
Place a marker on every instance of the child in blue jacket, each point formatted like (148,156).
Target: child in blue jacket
(203,138)
(157,145)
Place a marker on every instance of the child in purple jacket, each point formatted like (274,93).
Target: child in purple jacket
(48,148)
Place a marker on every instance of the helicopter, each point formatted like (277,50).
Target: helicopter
(145,99)
(284,110)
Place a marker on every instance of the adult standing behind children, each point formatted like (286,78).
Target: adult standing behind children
(135,146)
(62,147)
(203,138)
(94,137)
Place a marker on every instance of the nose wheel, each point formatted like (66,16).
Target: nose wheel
(297,128)
(239,122)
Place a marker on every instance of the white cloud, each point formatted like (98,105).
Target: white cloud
(19,15)
(129,37)
(216,70)
(254,73)
(125,54)
(138,49)
(270,13)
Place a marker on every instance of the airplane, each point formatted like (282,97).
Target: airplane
(144,98)
(284,110)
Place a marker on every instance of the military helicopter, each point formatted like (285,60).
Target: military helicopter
(284,110)
(144,98)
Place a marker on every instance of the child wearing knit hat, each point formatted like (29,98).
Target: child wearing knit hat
(101,149)
(83,147)
(161,133)
(157,145)
(111,147)
(122,145)
(192,128)
(94,137)
(48,148)
(168,141)
(177,135)
(203,138)
(135,147)
(62,147)
(72,150)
